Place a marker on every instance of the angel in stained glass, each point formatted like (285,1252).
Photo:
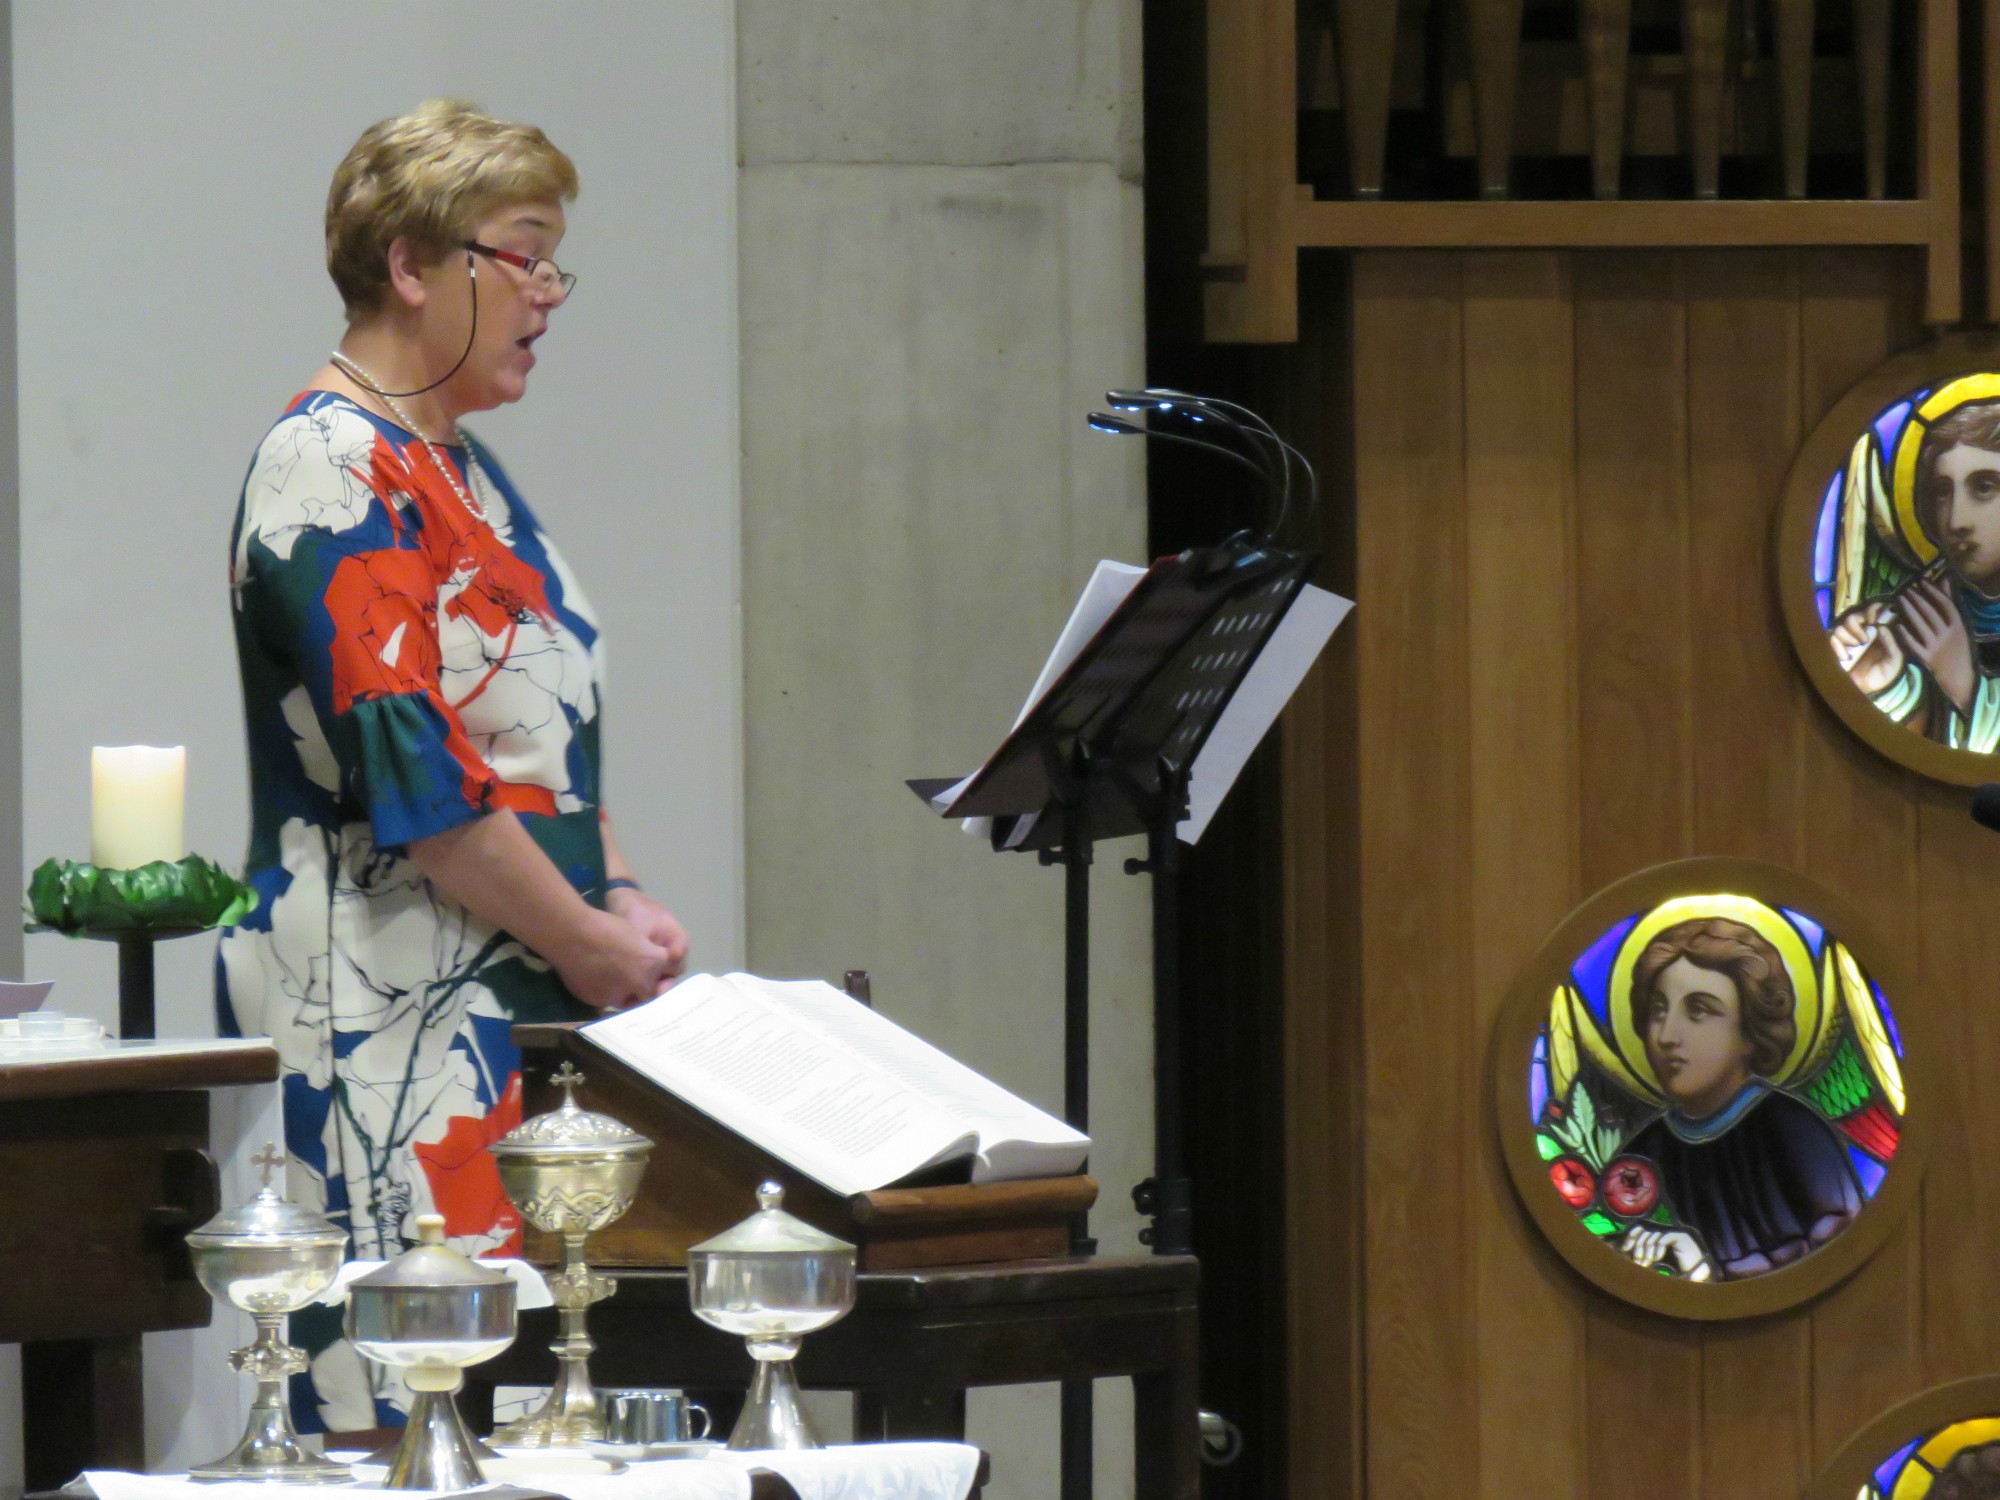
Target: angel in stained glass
(1907,563)
(1958,1462)
(1717,1091)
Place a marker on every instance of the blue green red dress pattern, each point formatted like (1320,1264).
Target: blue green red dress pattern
(407,666)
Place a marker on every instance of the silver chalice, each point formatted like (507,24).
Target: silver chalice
(772,1279)
(429,1313)
(269,1258)
(570,1172)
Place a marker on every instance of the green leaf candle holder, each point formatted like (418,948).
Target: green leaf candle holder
(134,908)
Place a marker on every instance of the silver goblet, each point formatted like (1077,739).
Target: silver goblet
(429,1313)
(269,1258)
(772,1279)
(570,1172)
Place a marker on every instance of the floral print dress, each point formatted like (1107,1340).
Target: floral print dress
(407,666)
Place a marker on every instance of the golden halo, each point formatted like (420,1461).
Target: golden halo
(1810,1017)
(1914,1481)
(1946,399)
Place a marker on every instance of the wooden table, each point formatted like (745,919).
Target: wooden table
(106,1165)
(917,1340)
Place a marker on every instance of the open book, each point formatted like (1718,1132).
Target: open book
(821,1081)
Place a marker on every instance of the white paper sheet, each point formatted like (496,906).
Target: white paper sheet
(1268,686)
(1109,583)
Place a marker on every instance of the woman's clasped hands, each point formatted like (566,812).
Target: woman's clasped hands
(625,955)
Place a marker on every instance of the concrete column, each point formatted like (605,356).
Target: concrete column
(10,506)
(940,272)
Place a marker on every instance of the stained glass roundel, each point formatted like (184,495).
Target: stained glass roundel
(1958,1462)
(1943,1444)
(1716,1098)
(1888,559)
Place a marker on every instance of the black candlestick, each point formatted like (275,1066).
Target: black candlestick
(136,1020)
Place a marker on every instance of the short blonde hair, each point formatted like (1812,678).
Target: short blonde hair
(430,176)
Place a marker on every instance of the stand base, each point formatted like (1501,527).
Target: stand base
(571,1415)
(435,1452)
(271,1453)
(772,1416)
(551,1429)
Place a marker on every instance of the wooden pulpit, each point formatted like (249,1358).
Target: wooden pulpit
(702,1177)
(105,1159)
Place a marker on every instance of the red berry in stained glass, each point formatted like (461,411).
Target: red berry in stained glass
(1631,1186)
(1573,1180)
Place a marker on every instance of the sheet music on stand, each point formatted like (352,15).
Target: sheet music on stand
(1183,665)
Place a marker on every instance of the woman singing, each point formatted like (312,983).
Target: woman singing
(420,681)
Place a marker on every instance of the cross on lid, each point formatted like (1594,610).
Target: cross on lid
(567,1078)
(270,1159)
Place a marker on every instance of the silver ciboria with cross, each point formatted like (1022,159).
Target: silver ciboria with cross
(269,1258)
(570,1172)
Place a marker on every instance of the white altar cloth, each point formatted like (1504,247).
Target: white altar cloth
(859,1471)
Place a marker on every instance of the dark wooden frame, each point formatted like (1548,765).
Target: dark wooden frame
(1261,216)
(1527,1007)
(1822,454)
(1941,1406)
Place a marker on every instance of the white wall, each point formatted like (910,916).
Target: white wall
(172,162)
(172,165)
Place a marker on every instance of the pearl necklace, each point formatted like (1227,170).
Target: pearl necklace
(374,387)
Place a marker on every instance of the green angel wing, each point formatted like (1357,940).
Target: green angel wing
(1840,1088)
(1872,561)
(1859,1086)
(1871,1031)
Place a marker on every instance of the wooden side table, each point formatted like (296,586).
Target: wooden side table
(917,1340)
(105,1158)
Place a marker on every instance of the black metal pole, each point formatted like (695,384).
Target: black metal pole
(1078,1412)
(135,985)
(1076,996)
(1171,1201)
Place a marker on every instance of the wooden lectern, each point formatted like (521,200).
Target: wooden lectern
(105,1159)
(702,1177)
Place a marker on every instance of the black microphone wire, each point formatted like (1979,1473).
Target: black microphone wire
(472,285)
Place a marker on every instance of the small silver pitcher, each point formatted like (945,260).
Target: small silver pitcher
(652,1416)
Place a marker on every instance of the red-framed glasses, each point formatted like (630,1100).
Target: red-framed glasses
(546,275)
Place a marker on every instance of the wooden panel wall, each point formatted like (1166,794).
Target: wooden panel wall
(1567,665)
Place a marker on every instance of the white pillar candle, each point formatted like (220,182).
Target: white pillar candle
(137,803)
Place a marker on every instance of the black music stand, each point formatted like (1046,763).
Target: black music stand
(1108,751)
